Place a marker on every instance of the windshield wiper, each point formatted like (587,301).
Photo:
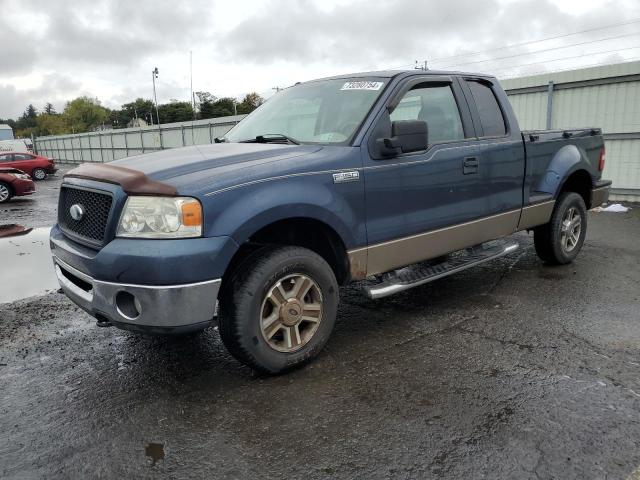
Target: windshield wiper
(273,138)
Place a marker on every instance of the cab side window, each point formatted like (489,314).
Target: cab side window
(436,105)
(493,124)
(21,156)
(5,157)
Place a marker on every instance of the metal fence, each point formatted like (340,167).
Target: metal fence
(606,96)
(109,145)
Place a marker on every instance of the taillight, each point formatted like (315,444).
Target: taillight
(601,161)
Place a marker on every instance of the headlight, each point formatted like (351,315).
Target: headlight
(161,217)
(22,176)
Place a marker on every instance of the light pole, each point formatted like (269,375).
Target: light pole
(154,75)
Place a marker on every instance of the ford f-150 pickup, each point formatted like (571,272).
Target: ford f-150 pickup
(392,178)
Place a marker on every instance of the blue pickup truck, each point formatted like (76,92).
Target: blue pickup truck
(390,178)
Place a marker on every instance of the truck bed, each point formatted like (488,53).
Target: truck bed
(544,159)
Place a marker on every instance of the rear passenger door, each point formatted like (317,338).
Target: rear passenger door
(500,149)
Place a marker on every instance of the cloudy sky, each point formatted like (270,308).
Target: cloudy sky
(55,50)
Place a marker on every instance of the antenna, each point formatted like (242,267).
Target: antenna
(193,100)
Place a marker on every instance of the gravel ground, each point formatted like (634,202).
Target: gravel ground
(39,209)
(509,370)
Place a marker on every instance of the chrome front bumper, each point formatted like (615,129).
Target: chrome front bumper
(162,308)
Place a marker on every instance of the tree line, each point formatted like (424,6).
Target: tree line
(86,114)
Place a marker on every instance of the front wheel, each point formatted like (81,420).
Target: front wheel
(559,241)
(5,192)
(278,309)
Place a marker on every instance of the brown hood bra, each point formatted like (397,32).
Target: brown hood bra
(133,182)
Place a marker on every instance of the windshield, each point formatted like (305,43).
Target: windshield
(327,111)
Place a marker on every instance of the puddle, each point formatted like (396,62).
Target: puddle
(155,451)
(26,268)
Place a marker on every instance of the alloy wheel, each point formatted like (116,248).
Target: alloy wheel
(570,229)
(4,193)
(291,313)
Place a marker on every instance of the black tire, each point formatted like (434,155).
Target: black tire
(38,174)
(5,192)
(549,239)
(242,305)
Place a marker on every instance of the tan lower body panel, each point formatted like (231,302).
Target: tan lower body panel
(535,215)
(393,254)
(599,196)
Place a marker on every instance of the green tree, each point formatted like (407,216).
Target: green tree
(139,108)
(26,124)
(223,107)
(50,124)
(175,112)
(206,103)
(49,109)
(84,114)
(250,102)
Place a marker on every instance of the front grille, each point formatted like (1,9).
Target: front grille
(96,206)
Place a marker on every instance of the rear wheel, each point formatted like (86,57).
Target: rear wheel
(39,174)
(559,241)
(5,192)
(278,309)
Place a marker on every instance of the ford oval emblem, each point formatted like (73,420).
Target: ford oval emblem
(77,212)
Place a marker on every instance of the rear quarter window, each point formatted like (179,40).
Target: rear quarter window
(491,118)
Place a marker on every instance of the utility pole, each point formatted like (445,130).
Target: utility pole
(421,67)
(277,89)
(154,75)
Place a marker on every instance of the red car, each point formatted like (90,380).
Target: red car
(35,165)
(14,182)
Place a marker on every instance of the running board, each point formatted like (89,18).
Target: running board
(421,273)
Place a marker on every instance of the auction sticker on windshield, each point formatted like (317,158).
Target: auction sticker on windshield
(362,86)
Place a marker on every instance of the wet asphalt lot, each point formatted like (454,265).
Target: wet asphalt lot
(509,370)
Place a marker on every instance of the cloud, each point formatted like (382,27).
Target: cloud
(392,32)
(107,48)
(55,89)
(17,55)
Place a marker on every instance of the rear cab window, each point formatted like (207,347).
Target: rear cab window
(491,116)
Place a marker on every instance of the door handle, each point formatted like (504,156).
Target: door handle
(470,165)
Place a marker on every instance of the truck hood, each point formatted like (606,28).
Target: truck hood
(177,166)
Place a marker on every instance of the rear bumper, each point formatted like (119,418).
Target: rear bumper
(147,308)
(600,193)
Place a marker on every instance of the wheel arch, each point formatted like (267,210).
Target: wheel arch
(580,182)
(307,232)
(567,171)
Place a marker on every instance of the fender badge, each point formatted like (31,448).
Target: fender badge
(344,177)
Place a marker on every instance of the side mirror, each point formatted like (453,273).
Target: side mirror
(406,136)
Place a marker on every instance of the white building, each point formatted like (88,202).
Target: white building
(606,97)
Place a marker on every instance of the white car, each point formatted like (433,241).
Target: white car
(19,145)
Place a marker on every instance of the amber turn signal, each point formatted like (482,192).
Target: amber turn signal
(191,214)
